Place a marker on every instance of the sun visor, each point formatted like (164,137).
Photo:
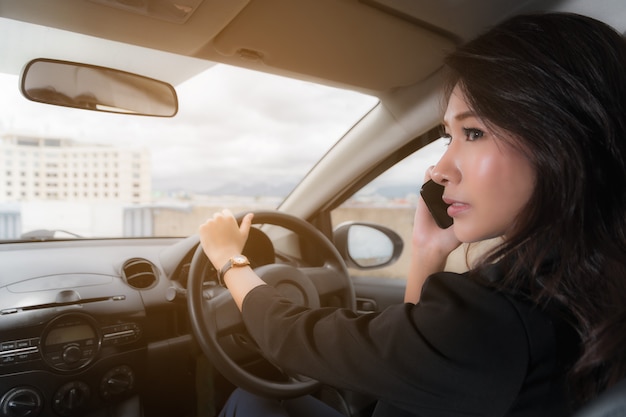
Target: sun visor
(369,49)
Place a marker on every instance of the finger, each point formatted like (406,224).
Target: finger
(428,173)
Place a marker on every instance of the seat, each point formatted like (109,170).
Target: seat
(611,403)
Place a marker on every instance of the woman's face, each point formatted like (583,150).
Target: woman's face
(487,181)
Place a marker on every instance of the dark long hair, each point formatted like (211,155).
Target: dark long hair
(556,83)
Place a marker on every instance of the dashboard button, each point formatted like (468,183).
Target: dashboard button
(5,346)
(21,344)
(7,359)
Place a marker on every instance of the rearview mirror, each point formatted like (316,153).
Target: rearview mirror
(97,88)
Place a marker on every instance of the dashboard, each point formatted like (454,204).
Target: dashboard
(88,325)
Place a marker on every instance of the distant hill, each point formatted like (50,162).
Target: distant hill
(252,190)
(269,189)
(397,191)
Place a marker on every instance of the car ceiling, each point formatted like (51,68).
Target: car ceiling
(374,46)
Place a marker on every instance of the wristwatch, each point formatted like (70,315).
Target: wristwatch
(236,261)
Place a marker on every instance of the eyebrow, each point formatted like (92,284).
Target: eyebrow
(461,116)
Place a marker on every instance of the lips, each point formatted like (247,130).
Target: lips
(455,207)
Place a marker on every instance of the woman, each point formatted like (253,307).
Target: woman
(536,124)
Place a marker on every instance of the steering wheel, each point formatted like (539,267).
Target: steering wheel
(217,323)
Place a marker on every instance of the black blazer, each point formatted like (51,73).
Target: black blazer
(464,350)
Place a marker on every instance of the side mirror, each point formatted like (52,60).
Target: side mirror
(367,245)
(91,87)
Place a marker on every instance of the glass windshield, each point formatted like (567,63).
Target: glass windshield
(240,139)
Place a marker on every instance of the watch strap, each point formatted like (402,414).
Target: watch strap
(236,261)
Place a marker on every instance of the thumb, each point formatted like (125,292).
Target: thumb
(246,222)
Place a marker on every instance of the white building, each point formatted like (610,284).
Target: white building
(46,169)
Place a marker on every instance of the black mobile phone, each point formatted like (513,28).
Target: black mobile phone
(432,192)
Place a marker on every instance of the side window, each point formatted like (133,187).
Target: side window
(390,201)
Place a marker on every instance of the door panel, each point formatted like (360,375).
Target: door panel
(375,294)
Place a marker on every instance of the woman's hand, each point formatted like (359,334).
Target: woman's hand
(221,237)
(428,238)
(430,247)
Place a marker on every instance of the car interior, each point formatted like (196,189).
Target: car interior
(138,326)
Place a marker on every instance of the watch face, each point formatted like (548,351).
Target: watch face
(240,260)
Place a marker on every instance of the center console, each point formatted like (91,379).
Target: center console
(73,354)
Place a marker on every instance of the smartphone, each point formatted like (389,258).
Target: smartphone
(432,192)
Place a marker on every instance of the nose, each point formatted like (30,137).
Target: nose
(446,170)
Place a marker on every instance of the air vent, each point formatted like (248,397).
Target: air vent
(139,273)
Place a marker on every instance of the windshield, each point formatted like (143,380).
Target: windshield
(240,139)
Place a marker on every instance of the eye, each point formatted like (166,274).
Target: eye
(472,134)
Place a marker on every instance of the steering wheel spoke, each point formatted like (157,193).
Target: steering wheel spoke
(221,312)
(327,281)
